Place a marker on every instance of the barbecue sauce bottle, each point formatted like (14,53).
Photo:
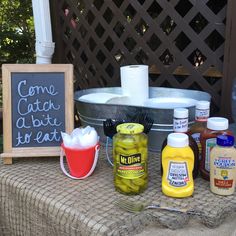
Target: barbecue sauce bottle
(215,126)
(180,125)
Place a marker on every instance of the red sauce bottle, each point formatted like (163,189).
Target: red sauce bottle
(215,126)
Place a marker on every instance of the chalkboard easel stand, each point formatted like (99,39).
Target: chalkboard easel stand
(7,160)
(29,152)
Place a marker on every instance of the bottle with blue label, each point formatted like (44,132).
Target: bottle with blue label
(223,166)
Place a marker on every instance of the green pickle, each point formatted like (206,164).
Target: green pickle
(130,159)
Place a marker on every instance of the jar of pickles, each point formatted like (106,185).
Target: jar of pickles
(130,159)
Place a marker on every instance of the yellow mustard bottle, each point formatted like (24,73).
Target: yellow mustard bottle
(177,164)
(130,156)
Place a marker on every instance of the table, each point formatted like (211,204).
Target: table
(37,199)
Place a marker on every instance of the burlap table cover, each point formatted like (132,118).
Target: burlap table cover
(37,199)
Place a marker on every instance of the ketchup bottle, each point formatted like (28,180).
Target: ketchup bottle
(215,126)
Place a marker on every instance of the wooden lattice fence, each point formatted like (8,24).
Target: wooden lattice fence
(186,43)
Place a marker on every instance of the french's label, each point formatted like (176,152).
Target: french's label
(178,174)
(131,166)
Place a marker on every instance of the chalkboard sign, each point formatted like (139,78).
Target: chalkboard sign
(38,113)
(37,106)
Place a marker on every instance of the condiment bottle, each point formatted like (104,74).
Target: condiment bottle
(180,125)
(215,126)
(222,164)
(130,155)
(202,113)
(177,163)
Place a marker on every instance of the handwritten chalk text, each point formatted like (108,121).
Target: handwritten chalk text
(35,90)
(38,120)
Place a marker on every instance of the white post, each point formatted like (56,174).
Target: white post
(43,31)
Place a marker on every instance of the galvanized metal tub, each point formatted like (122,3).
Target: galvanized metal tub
(93,114)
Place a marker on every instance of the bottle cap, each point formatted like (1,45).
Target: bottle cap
(130,128)
(225,140)
(180,113)
(177,140)
(203,105)
(217,123)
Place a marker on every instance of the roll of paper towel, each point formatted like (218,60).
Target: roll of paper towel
(134,83)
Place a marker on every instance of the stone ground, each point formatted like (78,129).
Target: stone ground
(194,228)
